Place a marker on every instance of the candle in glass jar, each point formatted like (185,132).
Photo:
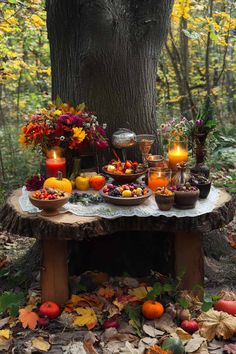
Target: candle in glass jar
(157,178)
(177,154)
(54,165)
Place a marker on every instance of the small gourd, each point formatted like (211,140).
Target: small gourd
(174,345)
(63,184)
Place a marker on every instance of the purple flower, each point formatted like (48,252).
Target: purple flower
(199,123)
(78,121)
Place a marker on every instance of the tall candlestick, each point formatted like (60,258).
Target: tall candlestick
(55,164)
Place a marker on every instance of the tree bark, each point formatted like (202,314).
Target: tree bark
(105,53)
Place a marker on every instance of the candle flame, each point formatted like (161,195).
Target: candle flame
(54,154)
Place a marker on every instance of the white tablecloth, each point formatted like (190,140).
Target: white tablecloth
(109,211)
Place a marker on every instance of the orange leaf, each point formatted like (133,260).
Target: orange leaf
(123,300)
(107,292)
(28,318)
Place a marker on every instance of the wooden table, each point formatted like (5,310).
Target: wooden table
(55,231)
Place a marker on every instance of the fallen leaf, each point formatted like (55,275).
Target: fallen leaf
(40,344)
(112,310)
(182,334)
(5,344)
(130,282)
(130,349)
(5,333)
(151,331)
(86,300)
(216,324)
(194,344)
(28,318)
(89,348)
(4,321)
(155,349)
(107,292)
(140,292)
(231,239)
(165,323)
(74,348)
(230,348)
(148,341)
(87,317)
(123,300)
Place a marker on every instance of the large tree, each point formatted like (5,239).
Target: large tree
(105,53)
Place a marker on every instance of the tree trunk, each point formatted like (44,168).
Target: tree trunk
(105,53)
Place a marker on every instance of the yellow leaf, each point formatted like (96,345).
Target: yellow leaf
(37,21)
(5,333)
(40,344)
(140,292)
(87,317)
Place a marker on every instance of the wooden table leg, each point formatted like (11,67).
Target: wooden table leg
(54,271)
(189,259)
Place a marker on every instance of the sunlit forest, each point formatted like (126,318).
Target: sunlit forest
(198,60)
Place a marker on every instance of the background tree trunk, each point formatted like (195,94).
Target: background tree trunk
(105,53)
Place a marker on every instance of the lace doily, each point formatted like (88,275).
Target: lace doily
(110,211)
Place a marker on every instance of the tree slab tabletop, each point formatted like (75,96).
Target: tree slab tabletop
(69,226)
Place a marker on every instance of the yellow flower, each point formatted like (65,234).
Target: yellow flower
(79,134)
(22,139)
(57,112)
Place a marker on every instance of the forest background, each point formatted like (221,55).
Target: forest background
(198,59)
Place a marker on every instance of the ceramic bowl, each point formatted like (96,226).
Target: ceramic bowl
(123,178)
(49,205)
(204,189)
(186,199)
(126,201)
(164,202)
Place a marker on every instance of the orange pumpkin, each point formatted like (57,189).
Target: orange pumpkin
(97,182)
(152,309)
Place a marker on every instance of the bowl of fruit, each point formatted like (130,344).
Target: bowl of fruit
(49,199)
(125,194)
(124,172)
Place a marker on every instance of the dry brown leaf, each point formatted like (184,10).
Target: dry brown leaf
(5,344)
(76,347)
(165,323)
(194,344)
(40,344)
(151,331)
(87,300)
(123,300)
(216,324)
(89,348)
(106,292)
(28,318)
(227,295)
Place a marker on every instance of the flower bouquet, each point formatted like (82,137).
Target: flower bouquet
(73,130)
(70,128)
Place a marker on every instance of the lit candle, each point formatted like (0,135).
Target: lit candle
(157,178)
(177,154)
(55,164)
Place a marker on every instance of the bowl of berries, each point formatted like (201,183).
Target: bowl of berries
(49,199)
(125,194)
(186,196)
(124,172)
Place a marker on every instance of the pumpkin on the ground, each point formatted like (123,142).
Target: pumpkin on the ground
(152,309)
(63,184)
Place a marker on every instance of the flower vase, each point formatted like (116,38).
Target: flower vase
(200,151)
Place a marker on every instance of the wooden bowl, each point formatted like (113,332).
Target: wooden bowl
(123,178)
(126,201)
(186,200)
(164,202)
(49,205)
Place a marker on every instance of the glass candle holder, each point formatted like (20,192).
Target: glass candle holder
(158,178)
(55,163)
(177,152)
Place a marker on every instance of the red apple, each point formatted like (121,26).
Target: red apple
(111,323)
(228,306)
(49,309)
(43,321)
(189,326)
